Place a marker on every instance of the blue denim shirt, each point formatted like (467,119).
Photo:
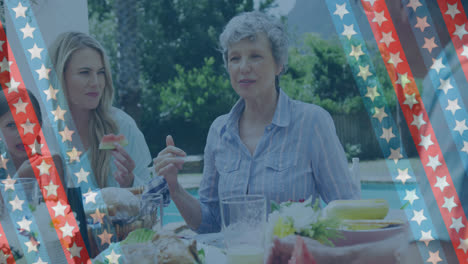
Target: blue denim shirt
(299,155)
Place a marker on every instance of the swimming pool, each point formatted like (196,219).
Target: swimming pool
(368,191)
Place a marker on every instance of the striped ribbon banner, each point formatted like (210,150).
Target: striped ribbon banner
(441,76)
(53,99)
(455,19)
(43,168)
(384,126)
(417,119)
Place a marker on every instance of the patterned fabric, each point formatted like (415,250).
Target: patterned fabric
(299,155)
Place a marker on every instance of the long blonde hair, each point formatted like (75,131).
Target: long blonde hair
(101,122)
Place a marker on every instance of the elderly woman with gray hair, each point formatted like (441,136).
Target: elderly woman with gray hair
(268,143)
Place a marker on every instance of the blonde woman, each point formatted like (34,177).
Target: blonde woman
(83,71)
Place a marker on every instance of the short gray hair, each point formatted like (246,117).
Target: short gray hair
(248,25)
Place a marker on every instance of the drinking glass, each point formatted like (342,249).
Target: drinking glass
(243,220)
(152,210)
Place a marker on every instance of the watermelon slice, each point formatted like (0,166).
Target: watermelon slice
(300,253)
(107,141)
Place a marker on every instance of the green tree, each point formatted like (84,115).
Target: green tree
(166,33)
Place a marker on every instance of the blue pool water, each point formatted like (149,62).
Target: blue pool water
(368,191)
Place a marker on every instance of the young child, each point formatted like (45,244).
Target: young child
(26,151)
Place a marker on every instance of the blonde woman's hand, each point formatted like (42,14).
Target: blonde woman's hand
(168,163)
(125,166)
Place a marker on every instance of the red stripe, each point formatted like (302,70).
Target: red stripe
(35,160)
(426,129)
(458,19)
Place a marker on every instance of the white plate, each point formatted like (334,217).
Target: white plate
(352,237)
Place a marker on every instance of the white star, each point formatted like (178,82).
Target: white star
(67,230)
(437,64)
(460,126)
(433,162)
(379,113)
(35,52)
(445,85)
(414,4)
(5,65)
(460,31)
(36,147)
(90,197)
(59,209)
(75,250)
(457,224)
(426,237)
(28,127)
(434,257)
(418,216)
(82,176)
(66,134)
(113,258)
(3,162)
(410,100)
(403,175)
(20,11)
(356,51)
(59,114)
(463,244)
(449,203)
(51,93)
(348,31)
(465,147)
(395,59)
(387,38)
(452,10)
(39,261)
(9,184)
(426,141)
(422,23)
(44,168)
(453,106)
(429,44)
(379,18)
(403,79)
(12,85)
(17,204)
(43,72)
(31,246)
(372,93)
(395,155)
(51,189)
(364,72)
(341,10)
(465,51)
(27,31)
(20,106)
(371,2)
(25,224)
(418,121)
(411,196)
(387,134)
